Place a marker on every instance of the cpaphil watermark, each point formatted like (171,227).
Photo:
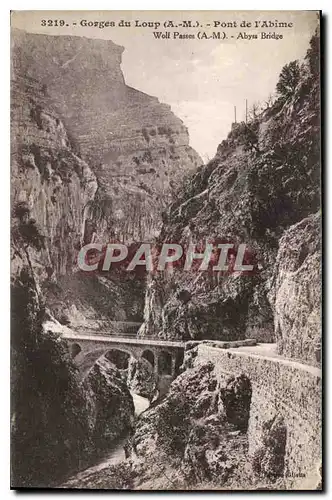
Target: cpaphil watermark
(214,256)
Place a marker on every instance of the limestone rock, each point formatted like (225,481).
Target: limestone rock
(263,179)
(141,378)
(296,294)
(269,459)
(236,397)
(110,404)
(194,429)
(136,146)
(50,184)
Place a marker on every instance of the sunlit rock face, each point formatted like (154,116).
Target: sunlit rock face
(264,178)
(296,295)
(50,184)
(141,378)
(137,147)
(109,402)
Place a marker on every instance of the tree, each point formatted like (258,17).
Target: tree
(25,234)
(288,79)
(254,111)
(269,101)
(313,55)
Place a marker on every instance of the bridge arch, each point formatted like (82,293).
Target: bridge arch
(119,357)
(88,357)
(149,356)
(164,356)
(75,349)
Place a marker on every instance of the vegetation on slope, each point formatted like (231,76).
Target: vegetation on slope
(264,178)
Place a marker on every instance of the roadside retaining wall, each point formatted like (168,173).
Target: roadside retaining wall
(283,388)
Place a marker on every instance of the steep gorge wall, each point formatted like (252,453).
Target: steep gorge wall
(135,145)
(92,159)
(263,181)
(296,291)
(50,184)
(50,187)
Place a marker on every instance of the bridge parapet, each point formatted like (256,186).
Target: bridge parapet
(112,328)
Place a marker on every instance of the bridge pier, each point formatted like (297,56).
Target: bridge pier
(173,366)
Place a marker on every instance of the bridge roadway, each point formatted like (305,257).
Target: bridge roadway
(126,339)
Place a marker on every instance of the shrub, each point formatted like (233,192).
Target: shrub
(25,232)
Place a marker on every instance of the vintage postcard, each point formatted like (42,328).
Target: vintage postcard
(166,250)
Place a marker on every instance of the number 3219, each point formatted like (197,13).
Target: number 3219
(52,22)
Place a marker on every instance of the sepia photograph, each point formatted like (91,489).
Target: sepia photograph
(166,250)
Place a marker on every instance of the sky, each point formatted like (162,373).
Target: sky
(202,80)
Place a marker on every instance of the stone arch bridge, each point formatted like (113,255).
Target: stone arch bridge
(165,356)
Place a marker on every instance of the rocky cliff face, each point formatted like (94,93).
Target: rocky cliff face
(231,421)
(141,378)
(50,184)
(296,292)
(49,421)
(188,441)
(135,145)
(263,179)
(57,421)
(92,159)
(200,425)
(110,404)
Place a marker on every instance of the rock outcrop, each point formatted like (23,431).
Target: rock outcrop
(137,148)
(264,178)
(196,434)
(296,294)
(110,404)
(49,422)
(231,421)
(50,184)
(141,378)
(185,442)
